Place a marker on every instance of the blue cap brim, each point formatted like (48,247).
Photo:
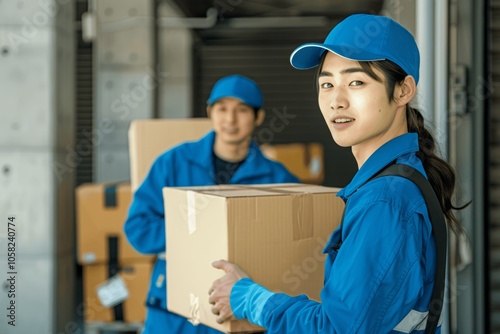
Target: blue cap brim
(239,87)
(211,101)
(309,55)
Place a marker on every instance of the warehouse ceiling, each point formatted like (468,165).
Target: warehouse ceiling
(251,21)
(333,9)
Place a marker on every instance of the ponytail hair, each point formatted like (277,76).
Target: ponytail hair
(440,173)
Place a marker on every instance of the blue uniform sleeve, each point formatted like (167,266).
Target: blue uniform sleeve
(145,224)
(371,284)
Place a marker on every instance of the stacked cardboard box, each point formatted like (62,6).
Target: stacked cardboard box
(275,233)
(305,160)
(148,138)
(115,276)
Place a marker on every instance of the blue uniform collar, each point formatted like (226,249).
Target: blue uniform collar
(204,153)
(251,166)
(386,154)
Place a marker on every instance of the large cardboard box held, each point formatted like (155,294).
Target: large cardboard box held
(275,233)
(101,212)
(305,160)
(148,138)
(135,277)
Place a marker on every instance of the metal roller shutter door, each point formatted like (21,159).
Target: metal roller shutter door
(285,89)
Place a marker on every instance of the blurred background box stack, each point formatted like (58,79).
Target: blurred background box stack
(305,160)
(115,276)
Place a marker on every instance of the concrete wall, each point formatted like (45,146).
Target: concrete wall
(36,167)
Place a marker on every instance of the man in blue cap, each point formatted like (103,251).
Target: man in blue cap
(226,155)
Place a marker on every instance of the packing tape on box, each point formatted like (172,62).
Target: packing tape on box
(194,309)
(191,214)
(303,214)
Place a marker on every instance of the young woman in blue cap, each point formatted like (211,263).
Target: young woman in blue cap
(380,265)
(226,155)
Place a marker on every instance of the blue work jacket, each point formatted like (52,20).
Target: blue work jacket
(381,278)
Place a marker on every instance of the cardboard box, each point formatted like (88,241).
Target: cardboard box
(304,160)
(275,233)
(136,277)
(148,138)
(101,210)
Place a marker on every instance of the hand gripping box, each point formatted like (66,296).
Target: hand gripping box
(275,233)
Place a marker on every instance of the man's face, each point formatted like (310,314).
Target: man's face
(232,120)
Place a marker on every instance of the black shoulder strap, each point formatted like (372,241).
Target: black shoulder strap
(438,230)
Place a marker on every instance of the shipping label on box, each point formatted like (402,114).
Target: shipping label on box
(275,233)
(120,297)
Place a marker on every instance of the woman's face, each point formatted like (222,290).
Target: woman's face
(356,108)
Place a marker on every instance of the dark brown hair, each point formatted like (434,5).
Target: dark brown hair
(440,173)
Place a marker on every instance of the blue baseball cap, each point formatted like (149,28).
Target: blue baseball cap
(238,87)
(364,37)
